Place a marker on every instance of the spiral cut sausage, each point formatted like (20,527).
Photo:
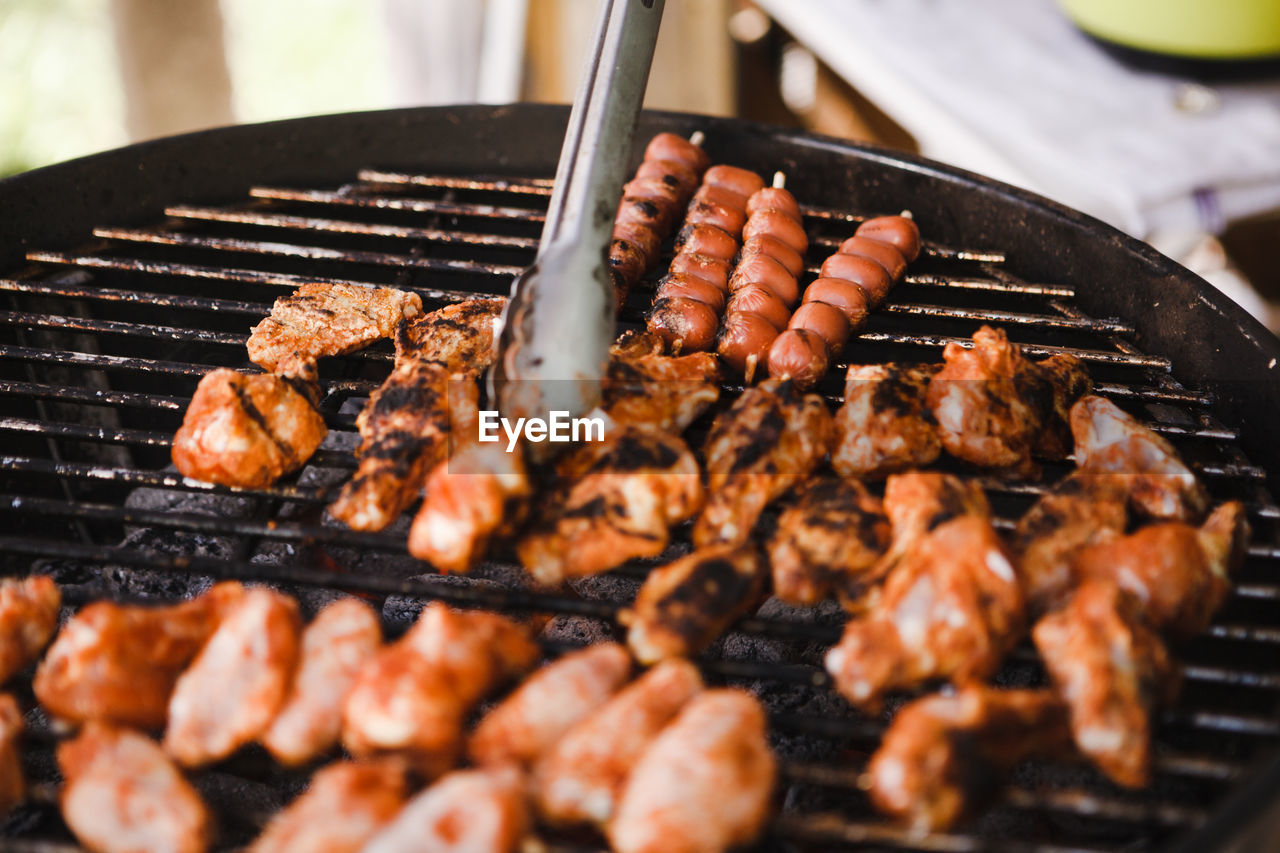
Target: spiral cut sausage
(764,285)
(851,282)
(691,297)
(651,204)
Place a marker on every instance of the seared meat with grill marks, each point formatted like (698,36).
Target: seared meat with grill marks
(617,500)
(468,811)
(345,805)
(1082,509)
(412,697)
(1112,670)
(12,788)
(334,646)
(703,785)
(994,407)
(1180,573)
(320,319)
(580,778)
(884,425)
(770,439)
(235,686)
(121,794)
(28,617)
(944,755)
(548,704)
(404,428)
(1111,441)
(247,430)
(118,663)
(916,502)
(829,540)
(951,609)
(685,605)
(668,392)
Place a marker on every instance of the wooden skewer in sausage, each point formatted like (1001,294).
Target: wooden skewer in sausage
(686,310)
(651,204)
(764,283)
(851,282)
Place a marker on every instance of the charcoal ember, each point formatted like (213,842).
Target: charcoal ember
(400,611)
(616,588)
(578,630)
(242,805)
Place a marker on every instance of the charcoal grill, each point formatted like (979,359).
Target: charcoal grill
(127,275)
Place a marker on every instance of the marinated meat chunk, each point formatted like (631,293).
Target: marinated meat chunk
(458,338)
(12,786)
(667,392)
(345,805)
(917,502)
(467,811)
(28,616)
(247,430)
(884,425)
(122,794)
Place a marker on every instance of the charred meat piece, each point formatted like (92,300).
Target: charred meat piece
(235,686)
(334,646)
(412,697)
(951,609)
(703,785)
(771,438)
(28,617)
(322,319)
(247,430)
(1180,573)
(668,392)
(1081,510)
(345,805)
(618,500)
(580,778)
(945,755)
(12,787)
(458,337)
(829,540)
(122,794)
(685,605)
(1112,670)
(468,811)
(547,704)
(994,407)
(1108,440)
(118,663)
(916,502)
(884,426)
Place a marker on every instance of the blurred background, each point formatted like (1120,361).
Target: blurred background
(1189,161)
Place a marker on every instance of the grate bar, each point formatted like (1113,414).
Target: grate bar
(823,827)
(414,205)
(114,327)
(1099,356)
(109,294)
(518,186)
(94,396)
(1014,317)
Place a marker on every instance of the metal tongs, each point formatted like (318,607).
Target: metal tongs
(559,322)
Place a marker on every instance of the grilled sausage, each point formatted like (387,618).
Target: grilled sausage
(744,341)
(826,321)
(627,261)
(669,146)
(689,287)
(713,270)
(766,272)
(673,173)
(774,198)
(799,354)
(780,226)
(884,254)
(757,299)
(685,325)
(838,293)
(707,240)
(864,272)
(764,244)
(645,239)
(741,181)
(898,231)
(727,217)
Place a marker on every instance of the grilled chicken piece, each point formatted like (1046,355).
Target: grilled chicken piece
(994,407)
(548,704)
(618,501)
(28,616)
(580,779)
(685,605)
(345,805)
(703,785)
(945,755)
(951,609)
(1180,573)
(468,811)
(829,540)
(668,392)
(413,696)
(334,646)
(326,319)
(770,439)
(1081,510)
(1112,670)
(916,502)
(1111,441)
(635,343)
(12,787)
(118,663)
(122,794)
(247,430)
(235,686)
(404,428)
(884,426)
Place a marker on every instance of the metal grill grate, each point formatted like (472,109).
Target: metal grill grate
(100,349)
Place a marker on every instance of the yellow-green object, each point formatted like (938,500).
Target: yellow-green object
(1204,29)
